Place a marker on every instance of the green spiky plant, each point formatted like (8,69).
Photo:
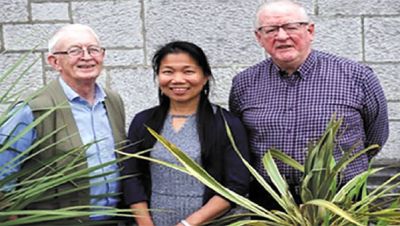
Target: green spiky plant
(323,203)
(64,168)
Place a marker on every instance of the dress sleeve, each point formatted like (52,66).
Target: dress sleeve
(237,176)
(133,187)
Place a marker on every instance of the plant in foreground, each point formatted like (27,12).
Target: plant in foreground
(323,202)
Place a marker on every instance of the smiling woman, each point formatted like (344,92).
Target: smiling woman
(181,79)
(186,117)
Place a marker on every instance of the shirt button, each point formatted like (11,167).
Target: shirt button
(289,131)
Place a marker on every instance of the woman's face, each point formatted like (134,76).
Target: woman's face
(181,79)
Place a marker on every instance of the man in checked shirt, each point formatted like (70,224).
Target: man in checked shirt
(287,100)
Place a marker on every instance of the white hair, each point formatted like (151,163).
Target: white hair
(268,3)
(68,28)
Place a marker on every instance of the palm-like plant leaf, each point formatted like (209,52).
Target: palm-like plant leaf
(332,207)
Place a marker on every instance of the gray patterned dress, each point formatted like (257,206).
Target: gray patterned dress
(175,195)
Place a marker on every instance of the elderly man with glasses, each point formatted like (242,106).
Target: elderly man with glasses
(287,100)
(92,114)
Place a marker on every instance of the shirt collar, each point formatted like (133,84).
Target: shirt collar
(304,69)
(100,95)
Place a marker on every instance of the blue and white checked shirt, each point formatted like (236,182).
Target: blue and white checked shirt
(93,125)
(289,112)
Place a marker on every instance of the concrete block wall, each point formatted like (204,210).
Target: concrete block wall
(130,30)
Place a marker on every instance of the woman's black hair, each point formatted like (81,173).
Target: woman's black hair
(205,114)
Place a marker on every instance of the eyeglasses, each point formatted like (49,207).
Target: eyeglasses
(75,51)
(289,28)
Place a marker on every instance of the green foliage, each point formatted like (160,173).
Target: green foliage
(323,202)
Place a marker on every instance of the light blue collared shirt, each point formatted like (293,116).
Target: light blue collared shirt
(93,125)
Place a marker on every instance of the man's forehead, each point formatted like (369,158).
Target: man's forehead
(76,37)
(280,14)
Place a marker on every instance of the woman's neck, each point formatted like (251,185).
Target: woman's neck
(183,109)
(180,113)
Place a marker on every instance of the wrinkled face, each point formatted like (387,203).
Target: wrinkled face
(290,43)
(77,68)
(181,79)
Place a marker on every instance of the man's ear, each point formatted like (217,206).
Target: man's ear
(258,37)
(54,62)
(311,31)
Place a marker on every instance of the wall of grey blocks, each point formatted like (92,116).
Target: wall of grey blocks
(131,30)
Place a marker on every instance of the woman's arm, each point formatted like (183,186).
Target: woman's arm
(134,191)
(214,208)
(141,212)
(236,174)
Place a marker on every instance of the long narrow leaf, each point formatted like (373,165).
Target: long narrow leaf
(335,209)
(286,159)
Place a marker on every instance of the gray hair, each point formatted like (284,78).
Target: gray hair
(268,3)
(69,28)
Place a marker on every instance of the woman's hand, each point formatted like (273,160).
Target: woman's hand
(214,208)
(141,212)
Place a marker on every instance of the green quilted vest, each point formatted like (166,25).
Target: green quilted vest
(53,95)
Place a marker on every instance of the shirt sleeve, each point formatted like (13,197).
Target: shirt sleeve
(234,106)
(21,117)
(374,113)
